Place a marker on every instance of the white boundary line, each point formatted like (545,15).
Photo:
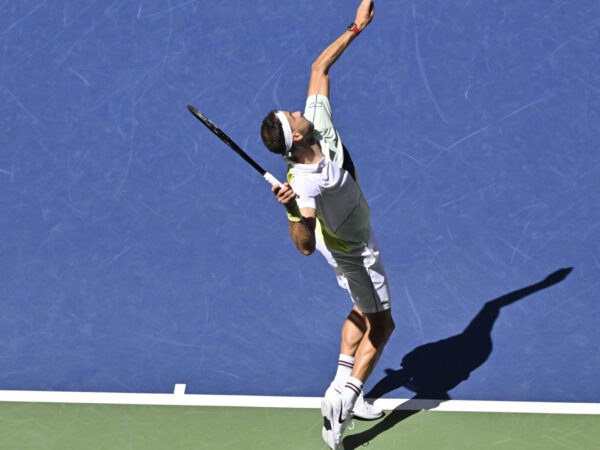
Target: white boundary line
(180,398)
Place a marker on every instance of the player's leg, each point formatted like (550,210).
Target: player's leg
(354,274)
(367,284)
(338,407)
(380,326)
(353,331)
(353,328)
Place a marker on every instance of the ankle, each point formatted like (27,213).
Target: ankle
(352,390)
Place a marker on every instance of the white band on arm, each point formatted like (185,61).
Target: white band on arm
(287,130)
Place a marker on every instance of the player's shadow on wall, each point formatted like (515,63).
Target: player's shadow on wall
(433,369)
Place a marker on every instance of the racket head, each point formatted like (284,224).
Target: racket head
(216,130)
(226,139)
(206,121)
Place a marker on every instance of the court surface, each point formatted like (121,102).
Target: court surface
(61,426)
(139,252)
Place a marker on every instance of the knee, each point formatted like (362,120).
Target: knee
(379,331)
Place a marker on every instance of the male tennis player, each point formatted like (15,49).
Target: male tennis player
(328,212)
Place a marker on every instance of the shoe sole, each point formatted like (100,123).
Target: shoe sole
(369,419)
(327,434)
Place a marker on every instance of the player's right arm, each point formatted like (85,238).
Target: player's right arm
(319,76)
(303,232)
(302,221)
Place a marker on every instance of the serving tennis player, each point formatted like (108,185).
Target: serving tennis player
(327,211)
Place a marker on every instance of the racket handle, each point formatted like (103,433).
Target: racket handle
(272,180)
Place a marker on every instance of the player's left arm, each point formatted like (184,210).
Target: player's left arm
(319,76)
(302,221)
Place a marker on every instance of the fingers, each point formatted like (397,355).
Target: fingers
(277,187)
(285,195)
(365,13)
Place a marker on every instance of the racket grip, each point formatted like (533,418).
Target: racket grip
(272,180)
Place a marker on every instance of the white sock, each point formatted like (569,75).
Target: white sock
(345,366)
(350,393)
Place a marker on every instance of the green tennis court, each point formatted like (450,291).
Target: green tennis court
(87,426)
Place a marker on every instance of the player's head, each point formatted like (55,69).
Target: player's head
(281,130)
(272,133)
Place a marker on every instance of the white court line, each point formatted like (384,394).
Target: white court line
(179,398)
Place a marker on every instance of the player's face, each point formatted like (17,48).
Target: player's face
(300,124)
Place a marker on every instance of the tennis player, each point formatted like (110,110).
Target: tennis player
(328,212)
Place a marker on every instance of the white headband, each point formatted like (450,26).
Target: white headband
(287,131)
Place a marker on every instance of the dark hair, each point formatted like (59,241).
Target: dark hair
(272,133)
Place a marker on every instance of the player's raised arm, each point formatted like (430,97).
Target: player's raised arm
(319,77)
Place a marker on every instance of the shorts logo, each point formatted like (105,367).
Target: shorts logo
(315,105)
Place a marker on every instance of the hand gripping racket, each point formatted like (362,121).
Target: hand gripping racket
(236,148)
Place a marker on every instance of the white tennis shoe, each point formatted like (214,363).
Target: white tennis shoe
(333,426)
(365,410)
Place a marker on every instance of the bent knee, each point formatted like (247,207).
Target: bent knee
(380,327)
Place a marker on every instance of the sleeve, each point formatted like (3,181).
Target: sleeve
(318,111)
(306,192)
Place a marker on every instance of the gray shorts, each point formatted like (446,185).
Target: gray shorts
(362,274)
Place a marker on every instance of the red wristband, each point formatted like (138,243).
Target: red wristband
(352,27)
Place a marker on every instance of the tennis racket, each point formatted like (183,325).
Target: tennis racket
(236,148)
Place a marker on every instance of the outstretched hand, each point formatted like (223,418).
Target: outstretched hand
(364,14)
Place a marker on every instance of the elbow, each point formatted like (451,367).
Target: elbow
(308,248)
(318,68)
(307,251)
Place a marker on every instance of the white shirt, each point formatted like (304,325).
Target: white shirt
(343,215)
